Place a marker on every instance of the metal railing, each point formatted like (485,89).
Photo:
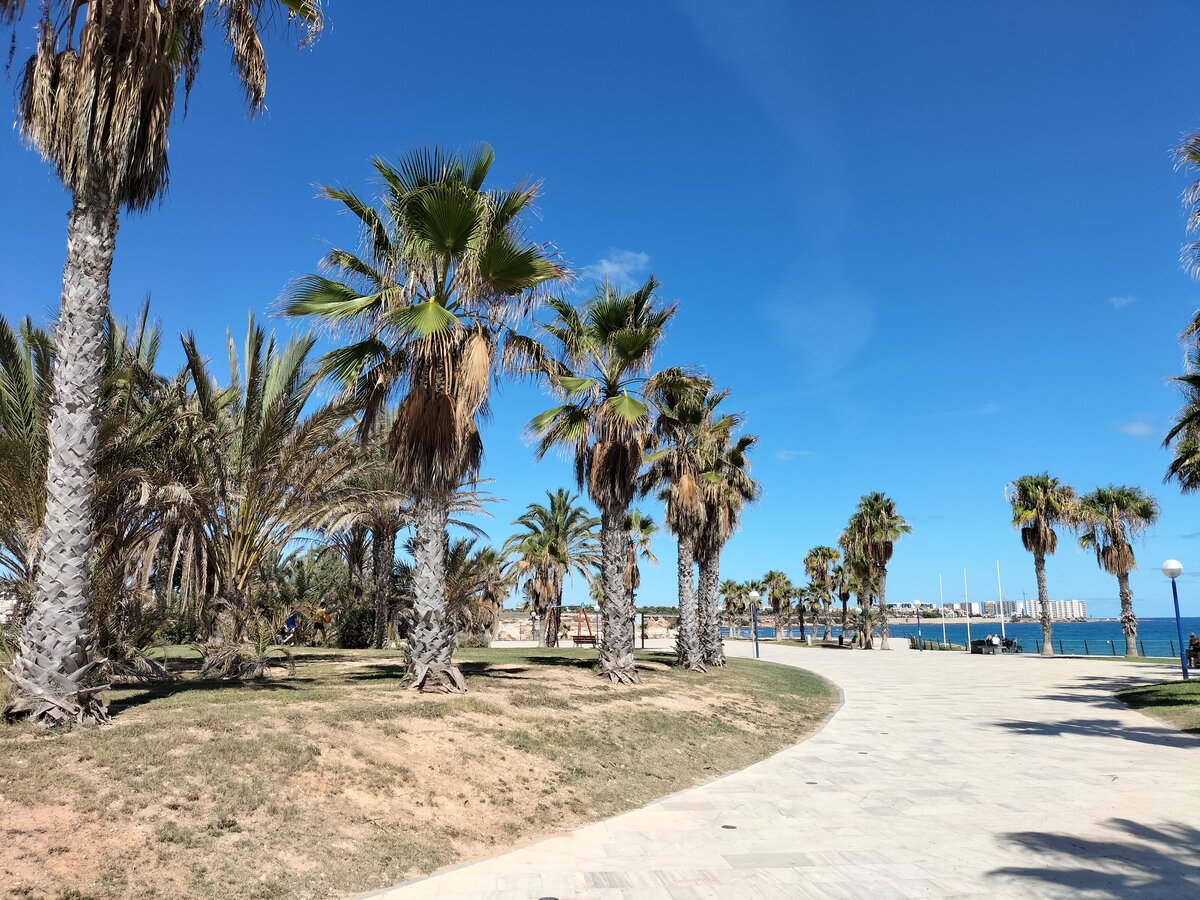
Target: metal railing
(1157,649)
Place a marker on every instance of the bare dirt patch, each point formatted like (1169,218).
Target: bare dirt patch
(334,781)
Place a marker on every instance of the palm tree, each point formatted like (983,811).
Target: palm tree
(559,539)
(446,272)
(860,577)
(879,526)
(639,537)
(728,487)
(839,576)
(1040,503)
(1110,519)
(817,564)
(691,433)
(780,594)
(602,373)
(96,99)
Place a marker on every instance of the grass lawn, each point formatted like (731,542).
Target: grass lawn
(1176,703)
(333,781)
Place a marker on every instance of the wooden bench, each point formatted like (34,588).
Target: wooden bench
(582,640)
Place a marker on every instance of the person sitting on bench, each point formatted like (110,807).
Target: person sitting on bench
(1193,651)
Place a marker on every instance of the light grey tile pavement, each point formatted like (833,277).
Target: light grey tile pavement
(943,775)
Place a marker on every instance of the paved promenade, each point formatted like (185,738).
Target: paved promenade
(943,775)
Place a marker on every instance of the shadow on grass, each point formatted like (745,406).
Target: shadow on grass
(149,693)
(1138,861)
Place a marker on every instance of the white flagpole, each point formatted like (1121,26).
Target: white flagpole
(1000,600)
(942,600)
(968,605)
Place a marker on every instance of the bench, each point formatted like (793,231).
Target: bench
(588,640)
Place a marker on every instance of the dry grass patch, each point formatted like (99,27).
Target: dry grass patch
(333,781)
(1174,702)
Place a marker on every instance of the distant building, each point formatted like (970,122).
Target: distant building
(963,608)
(1010,608)
(1059,609)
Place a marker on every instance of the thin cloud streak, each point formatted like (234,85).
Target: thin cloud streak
(624,268)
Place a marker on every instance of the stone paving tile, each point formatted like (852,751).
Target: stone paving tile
(943,775)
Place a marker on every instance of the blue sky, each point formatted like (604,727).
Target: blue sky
(929,246)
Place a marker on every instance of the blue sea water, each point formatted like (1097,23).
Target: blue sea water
(1156,637)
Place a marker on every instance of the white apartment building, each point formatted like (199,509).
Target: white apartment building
(1059,609)
(1010,608)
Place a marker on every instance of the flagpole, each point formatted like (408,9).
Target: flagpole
(1000,600)
(942,600)
(968,605)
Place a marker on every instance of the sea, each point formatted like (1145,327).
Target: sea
(1101,637)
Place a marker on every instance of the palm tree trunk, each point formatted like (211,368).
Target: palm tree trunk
(383,557)
(1128,619)
(616,648)
(430,635)
(54,667)
(712,648)
(883,616)
(555,623)
(687,639)
(355,559)
(1039,568)
(827,632)
(801,622)
(845,619)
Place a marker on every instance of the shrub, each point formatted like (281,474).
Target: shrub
(356,628)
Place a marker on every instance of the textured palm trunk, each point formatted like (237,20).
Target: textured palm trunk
(383,556)
(355,563)
(827,632)
(430,636)
(687,640)
(1128,619)
(712,647)
(554,625)
(55,666)
(845,619)
(616,647)
(883,615)
(1039,568)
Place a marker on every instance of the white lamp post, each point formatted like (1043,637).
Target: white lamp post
(1173,568)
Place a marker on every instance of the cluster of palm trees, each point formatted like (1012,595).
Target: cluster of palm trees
(856,567)
(1107,521)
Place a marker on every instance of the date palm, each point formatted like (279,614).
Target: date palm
(445,273)
(1110,520)
(691,431)
(817,563)
(601,369)
(728,487)
(1041,503)
(96,100)
(780,593)
(878,527)
(558,540)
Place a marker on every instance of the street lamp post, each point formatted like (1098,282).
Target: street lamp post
(753,597)
(920,643)
(1173,568)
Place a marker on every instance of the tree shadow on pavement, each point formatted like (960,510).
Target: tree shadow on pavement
(1139,861)
(1109,728)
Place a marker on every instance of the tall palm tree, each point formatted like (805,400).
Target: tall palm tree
(728,487)
(1041,503)
(601,370)
(96,100)
(558,540)
(839,576)
(817,564)
(691,433)
(1110,520)
(879,526)
(446,272)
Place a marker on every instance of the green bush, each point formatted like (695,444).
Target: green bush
(356,628)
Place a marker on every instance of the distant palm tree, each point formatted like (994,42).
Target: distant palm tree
(817,564)
(1041,503)
(96,99)
(639,536)
(601,370)
(1111,519)
(840,577)
(446,271)
(559,538)
(859,577)
(780,593)
(879,526)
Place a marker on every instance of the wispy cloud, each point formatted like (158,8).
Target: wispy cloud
(1122,301)
(789,455)
(987,409)
(1137,428)
(624,268)
(1190,536)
